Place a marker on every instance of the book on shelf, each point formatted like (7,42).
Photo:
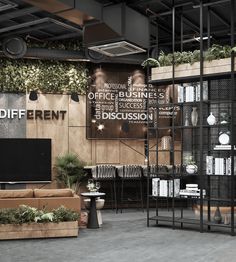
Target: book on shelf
(189,94)
(219,165)
(205,91)
(176,188)
(197,93)
(192,93)
(195,193)
(164,188)
(209,165)
(223,147)
(180,94)
(155,186)
(228,166)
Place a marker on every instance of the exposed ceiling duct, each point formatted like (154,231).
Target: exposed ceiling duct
(6,5)
(75,11)
(114,30)
(123,31)
(68,55)
(14,47)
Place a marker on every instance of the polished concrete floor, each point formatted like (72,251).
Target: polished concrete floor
(125,238)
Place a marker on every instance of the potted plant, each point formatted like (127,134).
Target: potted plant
(70,171)
(191,167)
(29,222)
(217,60)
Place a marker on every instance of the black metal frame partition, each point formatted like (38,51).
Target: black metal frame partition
(204,225)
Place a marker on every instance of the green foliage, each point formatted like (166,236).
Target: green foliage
(47,76)
(165,60)
(62,214)
(8,216)
(70,170)
(189,160)
(27,214)
(213,53)
(195,56)
(151,62)
(71,45)
(218,52)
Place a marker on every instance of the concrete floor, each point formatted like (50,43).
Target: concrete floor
(124,238)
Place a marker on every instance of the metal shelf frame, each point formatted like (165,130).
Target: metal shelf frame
(202,223)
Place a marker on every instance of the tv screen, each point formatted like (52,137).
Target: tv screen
(25,160)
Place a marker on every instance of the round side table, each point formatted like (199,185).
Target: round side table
(92,217)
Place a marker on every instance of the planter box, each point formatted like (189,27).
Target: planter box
(39,230)
(185,70)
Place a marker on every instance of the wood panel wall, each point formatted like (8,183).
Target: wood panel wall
(69,135)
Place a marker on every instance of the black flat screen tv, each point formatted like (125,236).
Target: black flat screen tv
(25,160)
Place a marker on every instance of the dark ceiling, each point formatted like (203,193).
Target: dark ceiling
(17,17)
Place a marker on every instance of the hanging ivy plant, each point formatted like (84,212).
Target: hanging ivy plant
(45,76)
(72,45)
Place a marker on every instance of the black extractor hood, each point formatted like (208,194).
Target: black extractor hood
(122,31)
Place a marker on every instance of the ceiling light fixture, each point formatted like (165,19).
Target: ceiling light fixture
(75,97)
(204,38)
(33,96)
(101,127)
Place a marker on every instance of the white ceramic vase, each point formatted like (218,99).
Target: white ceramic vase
(194,116)
(211,120)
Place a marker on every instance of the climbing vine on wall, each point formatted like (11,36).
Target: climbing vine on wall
(46,76)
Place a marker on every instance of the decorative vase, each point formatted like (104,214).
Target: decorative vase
(217,216)
(211,120)
(186,120)
(191,169)
(226,220)
(194,116)
(166,142)
(224,118)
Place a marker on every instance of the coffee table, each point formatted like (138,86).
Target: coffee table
(92,217)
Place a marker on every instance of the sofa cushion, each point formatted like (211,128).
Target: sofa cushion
(41,193)
(18,193)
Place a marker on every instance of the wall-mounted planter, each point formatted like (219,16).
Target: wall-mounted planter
(188,70)
(39,230)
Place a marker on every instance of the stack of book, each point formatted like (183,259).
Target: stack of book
(192,93)
(192,190)
(223,147)
(218,165)
(164,188)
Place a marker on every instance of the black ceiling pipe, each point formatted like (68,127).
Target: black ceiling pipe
(65,55)
(14,47)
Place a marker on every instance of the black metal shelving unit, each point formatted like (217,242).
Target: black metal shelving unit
(200,138)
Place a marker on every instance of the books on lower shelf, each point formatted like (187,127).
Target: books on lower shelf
(223,147)
(192,93)
(219,165)
(192,190)
(164,188)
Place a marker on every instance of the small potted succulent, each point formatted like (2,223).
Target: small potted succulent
(191,167)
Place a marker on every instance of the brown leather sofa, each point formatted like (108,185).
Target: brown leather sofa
(40,198)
